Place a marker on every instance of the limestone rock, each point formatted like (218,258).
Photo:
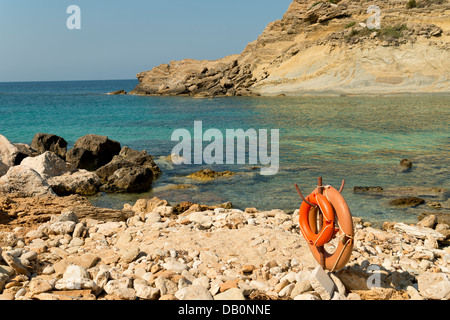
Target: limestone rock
(194,293)
(231,294)
(418,232)
(322,283)
(80,182)
(25,182)
(8,152)
(48,165)
(434,286)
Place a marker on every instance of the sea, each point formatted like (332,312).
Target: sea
(360,139)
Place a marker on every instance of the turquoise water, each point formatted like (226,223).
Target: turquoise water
(359,139)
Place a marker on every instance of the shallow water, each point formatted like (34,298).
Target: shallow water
(357,138)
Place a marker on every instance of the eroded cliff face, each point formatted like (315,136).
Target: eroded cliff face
(325,47)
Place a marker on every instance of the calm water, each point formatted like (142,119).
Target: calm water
(360,139)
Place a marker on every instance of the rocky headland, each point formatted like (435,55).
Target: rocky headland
(325,47)
(54,245)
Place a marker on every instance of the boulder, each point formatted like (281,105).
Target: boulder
(129,179)
(101,147)
(434,286)
(141,158)
(43,142)
(48,165)
(8,152)
(82,159)
(108,170)
(24,182)
(80,182)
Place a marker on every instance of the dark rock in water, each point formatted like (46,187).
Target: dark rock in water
(407,202)
(141,158)
(406,163)
(118,92)
(129,179)
(43,142)
(82,159)
(101,147)
(367,189)
(208,174)
(108,170)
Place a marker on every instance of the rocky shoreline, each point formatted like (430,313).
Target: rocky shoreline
(323,47)
(60,247)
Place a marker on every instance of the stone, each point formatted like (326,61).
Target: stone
(75,278)
(208,174)
(306,296)
(129,179)
(15,263)
(101,147)
(7,239)
(407,202)
(82,159)
(434,286)
(367,189)
(194,292)
(24,182)
(65,227)
(322,283)
(48,165)
(141,158)
(121,288)
(428,222)
(418,232)
(43,142)
(201,219)
(118,92)
(8,152)
(406,163)
(129,254)
(144,291)
(37,286)
(175,266)
(230,294)
(81,182)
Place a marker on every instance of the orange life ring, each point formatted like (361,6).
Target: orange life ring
(327,232)
(339,259)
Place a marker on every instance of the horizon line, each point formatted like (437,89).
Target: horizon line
(34,81)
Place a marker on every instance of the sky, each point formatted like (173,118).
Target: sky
(119,39)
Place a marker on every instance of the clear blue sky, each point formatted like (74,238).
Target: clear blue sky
(118,39)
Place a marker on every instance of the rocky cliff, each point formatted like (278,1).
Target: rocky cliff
(325,47)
